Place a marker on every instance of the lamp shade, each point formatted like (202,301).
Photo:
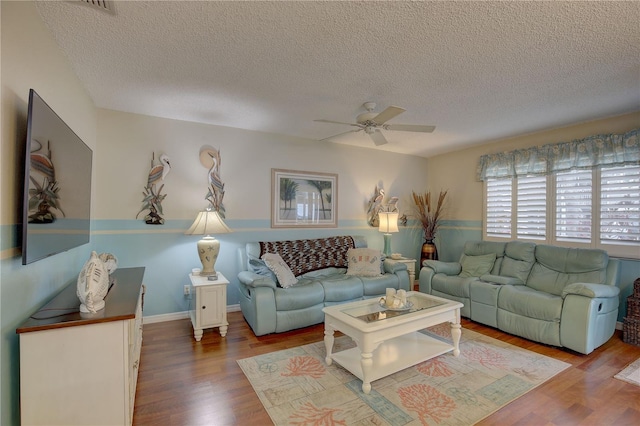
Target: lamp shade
(388,222)
(208,222)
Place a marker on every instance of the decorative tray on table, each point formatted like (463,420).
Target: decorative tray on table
(408,305)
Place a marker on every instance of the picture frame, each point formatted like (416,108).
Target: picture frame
(302,199)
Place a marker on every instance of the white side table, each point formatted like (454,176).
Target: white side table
(411,268)
(208,305)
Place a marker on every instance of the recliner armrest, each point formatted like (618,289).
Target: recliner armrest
(591,290)
(447,268)
(499,279)
(255,280)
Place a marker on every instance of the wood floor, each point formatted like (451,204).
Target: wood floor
(184,382)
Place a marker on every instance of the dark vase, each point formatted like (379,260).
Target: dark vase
(429,251)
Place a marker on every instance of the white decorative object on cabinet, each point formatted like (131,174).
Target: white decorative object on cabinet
(82,369)
(208,305)
(411,268)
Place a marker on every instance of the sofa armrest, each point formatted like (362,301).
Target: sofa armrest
(499,279)
(591,290)
(392,267)
(252,279)
(589,315)
(447,268)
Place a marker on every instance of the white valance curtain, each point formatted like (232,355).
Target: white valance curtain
(601,150)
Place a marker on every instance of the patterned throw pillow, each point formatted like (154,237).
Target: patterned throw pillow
(364,262)
(281,269)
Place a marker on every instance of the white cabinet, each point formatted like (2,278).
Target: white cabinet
(208,305)
(82,369)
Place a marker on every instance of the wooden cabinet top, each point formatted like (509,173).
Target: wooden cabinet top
(64,309)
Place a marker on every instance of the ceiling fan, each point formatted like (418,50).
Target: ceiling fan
(372,123)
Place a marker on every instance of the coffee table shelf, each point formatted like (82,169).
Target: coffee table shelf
(393,355)
(387,341)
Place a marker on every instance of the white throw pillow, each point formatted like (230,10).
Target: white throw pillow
(280,268)
(364,262)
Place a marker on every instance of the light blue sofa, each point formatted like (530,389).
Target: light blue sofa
(269,308)
(554,295)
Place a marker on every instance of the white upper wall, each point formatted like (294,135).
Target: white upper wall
(32,60)
(126,143)
(456,171)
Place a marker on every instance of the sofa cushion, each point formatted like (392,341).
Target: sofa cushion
(375,286)
(364,262)
(519,257)
(530,303)
(479,248)
(557,267)
(341,287)
(455,286)
(475,266)
(304,256)
(320,273)
(280,269)
(303,295)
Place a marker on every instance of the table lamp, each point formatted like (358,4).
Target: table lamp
(208,222)
(388,224)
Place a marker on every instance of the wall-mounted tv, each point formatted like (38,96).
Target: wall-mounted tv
(57,185)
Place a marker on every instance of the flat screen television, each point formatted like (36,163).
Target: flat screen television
(57,185)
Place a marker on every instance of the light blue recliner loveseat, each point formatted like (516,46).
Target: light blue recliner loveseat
(320,266)
(559,296)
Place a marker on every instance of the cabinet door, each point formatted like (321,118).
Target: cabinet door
(213,301)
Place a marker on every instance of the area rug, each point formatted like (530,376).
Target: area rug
(296,386)
(631,373)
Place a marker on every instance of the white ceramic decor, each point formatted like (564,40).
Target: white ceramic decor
(93,284)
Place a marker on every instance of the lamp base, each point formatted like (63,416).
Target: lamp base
(387,244)
(208,250)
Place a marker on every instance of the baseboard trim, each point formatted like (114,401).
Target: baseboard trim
(173,316)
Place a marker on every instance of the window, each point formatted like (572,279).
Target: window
(597,208)
(498,211)
(531,198)
(620,205)
(573,206)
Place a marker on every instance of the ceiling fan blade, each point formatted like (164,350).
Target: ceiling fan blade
(378,138)
(337,122)
(409,128)
(388,114)
(339,134)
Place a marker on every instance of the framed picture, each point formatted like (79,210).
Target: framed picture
(303,199)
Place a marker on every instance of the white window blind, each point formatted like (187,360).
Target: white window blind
(573,206)
(498,220)
(531,207)
(620,205)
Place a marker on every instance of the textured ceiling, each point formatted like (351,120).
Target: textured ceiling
(478,71)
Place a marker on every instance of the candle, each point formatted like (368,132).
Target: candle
(391,293)
(403,297)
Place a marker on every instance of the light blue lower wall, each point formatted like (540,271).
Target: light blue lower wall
(168,255)
(25,288)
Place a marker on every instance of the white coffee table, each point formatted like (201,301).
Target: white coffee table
(389,341)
